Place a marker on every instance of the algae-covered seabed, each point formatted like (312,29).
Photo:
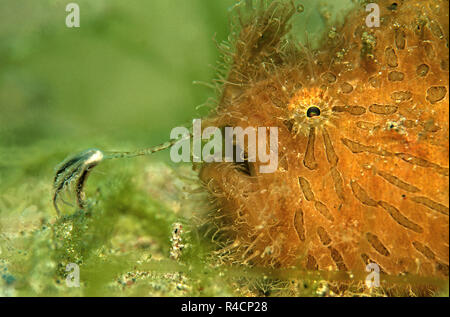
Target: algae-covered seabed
(121,81)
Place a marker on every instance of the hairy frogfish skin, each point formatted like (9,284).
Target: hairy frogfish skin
(363,143)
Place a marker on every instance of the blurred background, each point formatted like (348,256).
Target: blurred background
(120,81)
(126,74)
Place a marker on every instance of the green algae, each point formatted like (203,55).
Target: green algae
(120,241)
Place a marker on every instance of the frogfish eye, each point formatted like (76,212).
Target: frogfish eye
(313,112)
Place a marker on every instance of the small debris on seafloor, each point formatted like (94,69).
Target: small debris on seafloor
(176,240)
